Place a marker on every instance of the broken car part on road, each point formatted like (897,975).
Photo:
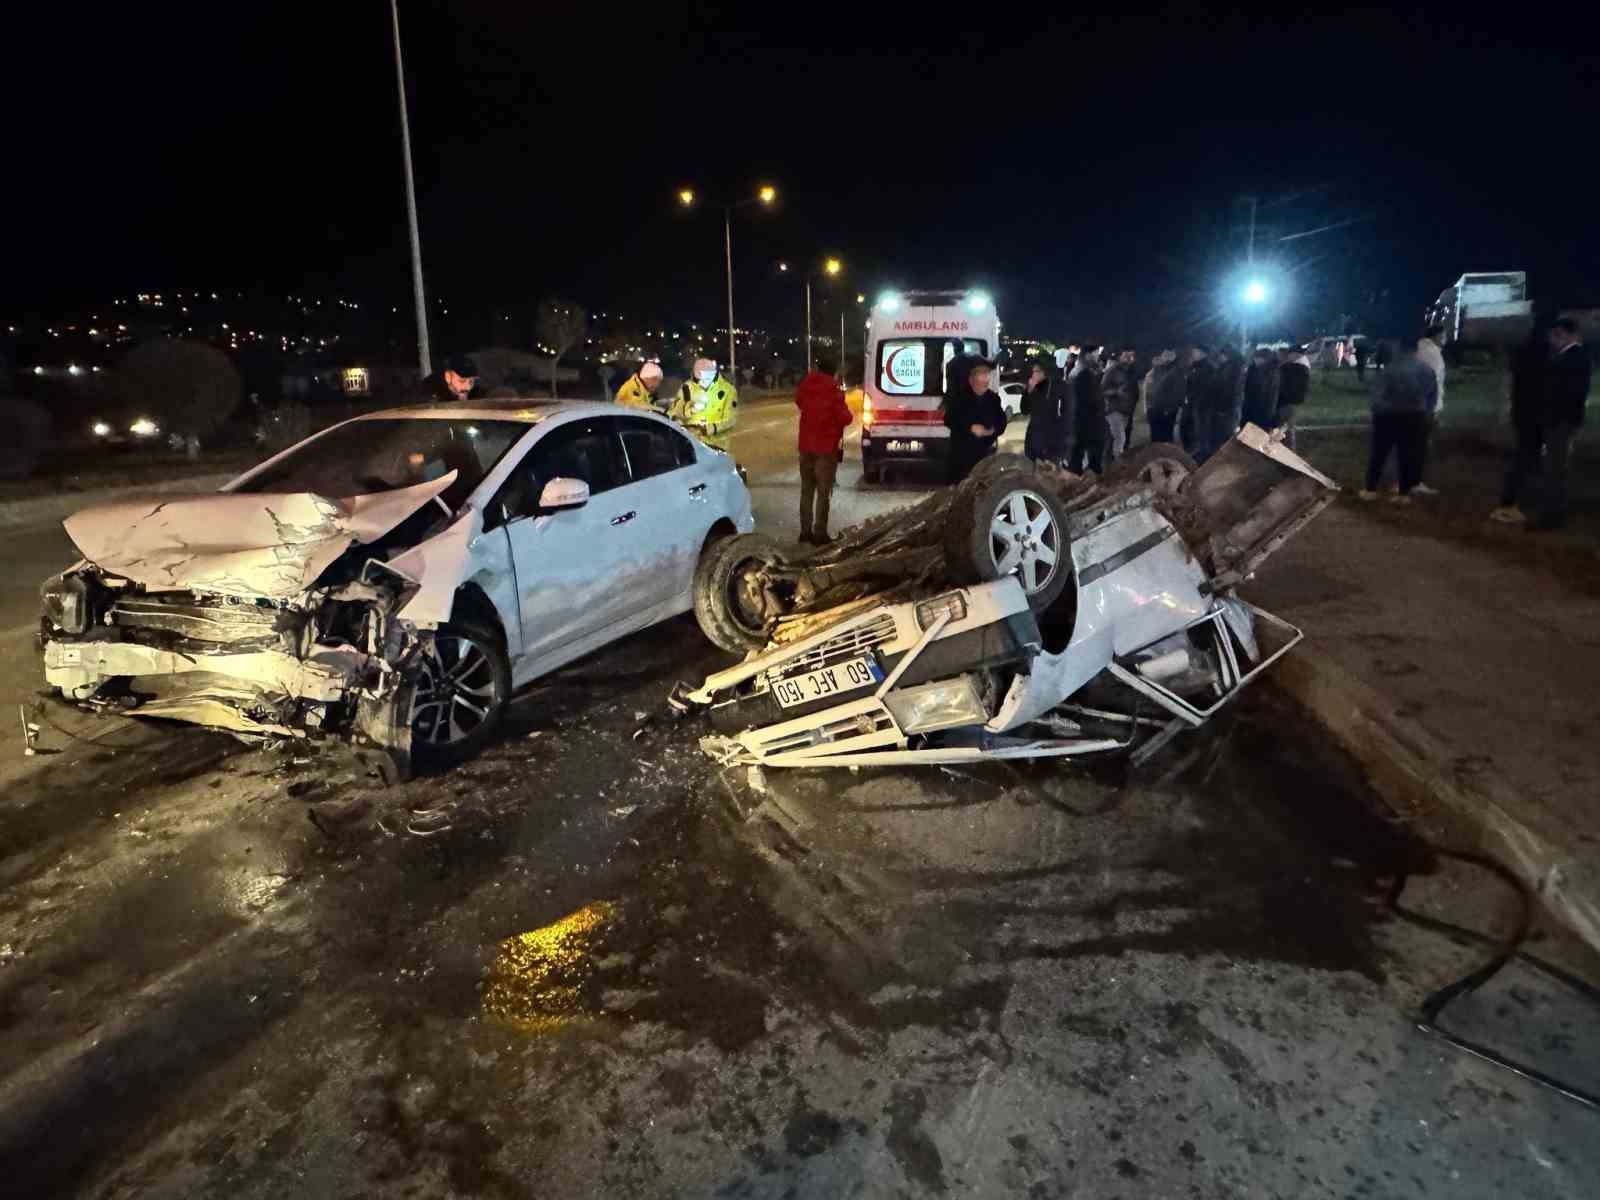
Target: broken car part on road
(394,577)
(1008,617)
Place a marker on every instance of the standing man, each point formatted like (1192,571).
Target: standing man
(708,404)
(639,390)
(1230,397)
(1566,394)
(1400,406)
(824,416)
(1431,356)
(1359,350)
(1525,385)
(1260,390)
(975,418)
(1120,389)
(1165,389)
(1294,385)
(1088,414)
(451,385)
(1206,403)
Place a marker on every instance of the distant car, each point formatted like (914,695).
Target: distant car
(394,577)
(141,431)
(1012,396)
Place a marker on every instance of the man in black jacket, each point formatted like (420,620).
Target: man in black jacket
(1049,413)
(975,418)
(1566,393)
(1088,414)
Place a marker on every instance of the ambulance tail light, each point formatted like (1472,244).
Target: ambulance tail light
(868,417)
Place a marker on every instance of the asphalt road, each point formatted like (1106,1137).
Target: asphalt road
(590,964)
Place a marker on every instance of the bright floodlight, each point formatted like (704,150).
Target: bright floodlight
(1255,292)
(767,194)
(686,197)
(861,299)
(833,266)
(783,266)
(889,301)
(977,302)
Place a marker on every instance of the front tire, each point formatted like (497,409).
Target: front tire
(726,602)
(461,693)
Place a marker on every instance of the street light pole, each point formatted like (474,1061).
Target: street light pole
(727,246)
(424,355)
(808,322)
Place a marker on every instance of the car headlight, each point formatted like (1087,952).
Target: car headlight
(65,599)
(934,706)
(101,429)
(929,611)
(144,427)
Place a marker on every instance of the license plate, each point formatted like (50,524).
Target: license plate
(899,447)
(829,681)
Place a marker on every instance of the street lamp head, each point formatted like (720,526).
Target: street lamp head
(783,266)
(686,197)
(767,194)
(1255,292)
(833,266)
(861,299)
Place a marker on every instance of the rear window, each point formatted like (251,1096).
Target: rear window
(916,366)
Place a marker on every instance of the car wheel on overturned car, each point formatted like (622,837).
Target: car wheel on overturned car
(727,601)
(1163,465)
(461,693)
(1007,520)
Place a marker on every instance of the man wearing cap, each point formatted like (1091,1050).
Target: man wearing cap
(708,404)
(639,390)
(451,385)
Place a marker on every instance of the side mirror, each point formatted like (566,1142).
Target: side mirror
(564,493)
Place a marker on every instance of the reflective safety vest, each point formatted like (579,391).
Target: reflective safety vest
(711,412)
(633,394)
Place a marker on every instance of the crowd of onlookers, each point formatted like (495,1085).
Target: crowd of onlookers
(1086,406)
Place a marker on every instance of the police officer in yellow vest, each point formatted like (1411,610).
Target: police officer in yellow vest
(708,405)
(640,389)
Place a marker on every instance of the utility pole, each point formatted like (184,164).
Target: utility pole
(1250,259)
(727,246)
(425,356)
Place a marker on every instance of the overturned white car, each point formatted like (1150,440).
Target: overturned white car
(394,577)
(1030,613)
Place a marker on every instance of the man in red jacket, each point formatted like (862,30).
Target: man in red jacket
(824,416)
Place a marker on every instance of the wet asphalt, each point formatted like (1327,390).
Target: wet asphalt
(590,963)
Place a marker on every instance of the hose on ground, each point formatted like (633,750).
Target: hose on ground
(1506,950)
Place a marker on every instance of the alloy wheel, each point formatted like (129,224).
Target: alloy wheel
(1025,540)
(455,691)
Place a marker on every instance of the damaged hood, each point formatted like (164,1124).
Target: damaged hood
(270,547)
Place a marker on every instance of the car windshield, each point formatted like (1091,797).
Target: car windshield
(379,455)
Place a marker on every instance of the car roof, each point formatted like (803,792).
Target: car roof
(530,411)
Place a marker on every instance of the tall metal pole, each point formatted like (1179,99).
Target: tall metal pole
(727,246)
(841,339)
(808,324)
(1250,258)
(425,356)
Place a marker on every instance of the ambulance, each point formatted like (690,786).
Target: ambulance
(911,338)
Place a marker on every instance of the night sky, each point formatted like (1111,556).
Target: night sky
(1093,174)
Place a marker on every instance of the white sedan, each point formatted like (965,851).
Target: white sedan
(395,577)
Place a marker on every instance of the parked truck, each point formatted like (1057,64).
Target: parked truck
(1484,310)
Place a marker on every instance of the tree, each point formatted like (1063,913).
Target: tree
(188,388)
(562,325)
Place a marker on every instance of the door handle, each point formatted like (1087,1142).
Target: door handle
(624,518)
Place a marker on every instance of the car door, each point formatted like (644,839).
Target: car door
(671,488)
(572,565)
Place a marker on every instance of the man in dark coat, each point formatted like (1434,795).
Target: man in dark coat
(1207,398)
(1261,390)
(975,418)
(1528,364)
(1566,395)
(451,385)
(1048,413)
(1088,415)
